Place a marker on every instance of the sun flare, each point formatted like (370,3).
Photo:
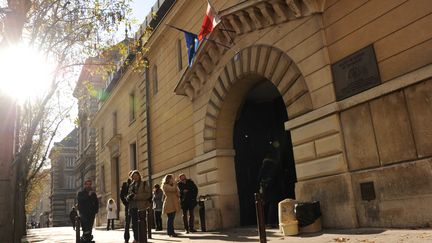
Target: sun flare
(24,72)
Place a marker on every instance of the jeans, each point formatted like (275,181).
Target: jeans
(190,225)
(158,219)
(112,224)
(127,224)
(134,215)
(170,223)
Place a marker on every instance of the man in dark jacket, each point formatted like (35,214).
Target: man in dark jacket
(88,206)
(72,216)
(271,187)
(123,194)
(188,195)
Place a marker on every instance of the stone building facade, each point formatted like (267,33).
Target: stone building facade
(343,86)
(89,81)
(117,122)
(63,192)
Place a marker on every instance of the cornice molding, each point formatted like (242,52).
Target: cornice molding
(242,18)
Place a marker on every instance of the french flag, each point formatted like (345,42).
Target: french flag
(211,19)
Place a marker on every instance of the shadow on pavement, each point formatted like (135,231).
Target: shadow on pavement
(237,235)
(341,232)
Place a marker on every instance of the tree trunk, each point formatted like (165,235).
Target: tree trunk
(14,21)
(19,211)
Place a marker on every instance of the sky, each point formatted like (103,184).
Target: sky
(140,9)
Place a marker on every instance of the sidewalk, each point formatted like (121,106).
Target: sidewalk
(66,235)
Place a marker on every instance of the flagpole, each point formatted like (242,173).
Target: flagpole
(212,6)
(179,29)
(182,30)
(217,43)
(225,28)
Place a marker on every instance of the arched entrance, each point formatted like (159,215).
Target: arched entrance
(258,130)
(254,71)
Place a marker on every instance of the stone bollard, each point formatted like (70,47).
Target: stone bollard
(201,205)
(77,229)
(149,222)
(142,226)
(260,218)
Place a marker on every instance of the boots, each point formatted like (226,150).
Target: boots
(87,239)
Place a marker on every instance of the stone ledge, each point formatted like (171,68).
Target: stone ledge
(331,165)
(196,160)
(329,145)
(390,86)
(318,129)
(304,152)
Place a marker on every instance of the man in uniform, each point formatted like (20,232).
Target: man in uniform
(88,206)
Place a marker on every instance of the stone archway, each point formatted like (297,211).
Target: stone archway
(237,77)
(242,72)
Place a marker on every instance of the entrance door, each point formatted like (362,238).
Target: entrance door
(259,124)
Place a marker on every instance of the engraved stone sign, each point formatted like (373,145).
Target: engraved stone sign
(355,73)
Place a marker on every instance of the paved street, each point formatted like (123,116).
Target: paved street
(63,235)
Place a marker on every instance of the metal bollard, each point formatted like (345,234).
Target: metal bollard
(202,215)
(149,222)
(260,218)
(142,226)
(77,229)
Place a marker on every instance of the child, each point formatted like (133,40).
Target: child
(111,213)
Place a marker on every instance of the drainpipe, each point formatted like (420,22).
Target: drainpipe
(147,84)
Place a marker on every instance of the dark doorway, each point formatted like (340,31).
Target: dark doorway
(259,123)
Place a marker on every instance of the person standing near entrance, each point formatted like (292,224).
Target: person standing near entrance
(123,194)
(111,213)
(157,206)
(188,201)
(139,198)
(88,206)
(171,202)
(271,186)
